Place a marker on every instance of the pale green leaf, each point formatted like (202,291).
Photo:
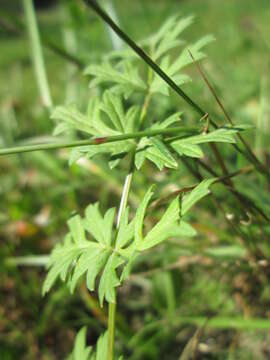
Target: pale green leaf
(61,261)
(169,39)
(171,120)
(185,59)
(76,229)
(80,350)
(128,267)
(140,214)
(71,119)
(94,114)
(197,194)
(189,145)
(139,157)
(91,262)
(109,279)
(102,347)
(181,229)
(112,105)
(132,118)
(164,153)
(161,231)
(112,148)
(100,228)
(173,68)
(225,135)
(156,151)
(166,38)
(125,232)
(78,255)
(187,149)
(125,76)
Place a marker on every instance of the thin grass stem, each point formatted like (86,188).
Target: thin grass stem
(37,54)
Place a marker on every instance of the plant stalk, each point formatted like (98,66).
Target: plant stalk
(112,306)
(111,330)
(99,140)
(37,54)
(122,208)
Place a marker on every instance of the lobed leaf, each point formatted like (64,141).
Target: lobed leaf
(78,255)
(173,68)
(189,145)
(140,214)
(125,77)
(197,194)
(106,251)
(71,119)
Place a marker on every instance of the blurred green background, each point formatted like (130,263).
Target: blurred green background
(39,191)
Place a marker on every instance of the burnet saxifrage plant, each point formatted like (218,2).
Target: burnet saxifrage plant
(101,248)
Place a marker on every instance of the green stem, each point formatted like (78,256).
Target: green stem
(112,306)
(37,53)
(99,140)
(111,330)
(122,207)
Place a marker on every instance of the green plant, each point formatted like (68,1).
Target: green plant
(126,126)
(94,245)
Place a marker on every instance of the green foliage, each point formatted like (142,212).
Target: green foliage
(198,193)
(189,146)
(80,350)
(124,76)
(177,284)
(102,348)
(107,116)
(108,250)
(122,71)
(83,352)
(110,115)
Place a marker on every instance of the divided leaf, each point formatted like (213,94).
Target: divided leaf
(154,149)
(107,251)
(171,223)
(70,118)
(166,38)
(78,255)
(104,118)
(189,146)
(196,194)
(82,352)
(124,76)
(162,230)
(173,67)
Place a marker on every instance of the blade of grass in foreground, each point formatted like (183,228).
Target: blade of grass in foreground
(37,53)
